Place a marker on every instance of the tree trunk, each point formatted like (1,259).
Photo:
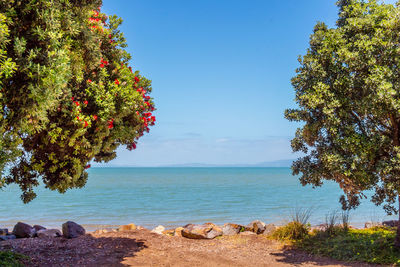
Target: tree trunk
(397,240)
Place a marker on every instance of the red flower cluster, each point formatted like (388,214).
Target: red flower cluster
(116,82)
(111,124)
(88,166)
(96,22)
(103,63)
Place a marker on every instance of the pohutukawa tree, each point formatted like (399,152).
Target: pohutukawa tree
(67,93)
(348,93)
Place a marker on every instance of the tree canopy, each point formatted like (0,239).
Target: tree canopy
(348,93)
(67,93)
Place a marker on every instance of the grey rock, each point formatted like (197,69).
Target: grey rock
(4,231)
(372,224)
(23,230)
(231,229)
(49,233)
(38,228)
(72,230)
(269,229)
(257,226)
(201,231)
(158,230)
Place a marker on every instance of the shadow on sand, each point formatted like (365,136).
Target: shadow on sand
(83,251)
(296,257)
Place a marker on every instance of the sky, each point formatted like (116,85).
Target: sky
(220,72)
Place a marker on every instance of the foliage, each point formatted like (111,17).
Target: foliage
(301,215)
(291,231)
(373,245)
(67,93)
(11,259)
(348,92)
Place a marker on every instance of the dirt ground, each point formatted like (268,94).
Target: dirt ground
(143,248)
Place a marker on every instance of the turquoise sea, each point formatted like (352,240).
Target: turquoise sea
(177,196)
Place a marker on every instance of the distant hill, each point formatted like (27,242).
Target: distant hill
(278,163)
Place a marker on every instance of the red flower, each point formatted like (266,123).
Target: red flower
(101,65)
(111,124)
(137,79)
(88,166)
(72,98)
(134,145)
(116,82)
(77,117)
(130,68)
(86,124)
(95,117)
(76,103)
(85,102)
(153,118)
(89,81)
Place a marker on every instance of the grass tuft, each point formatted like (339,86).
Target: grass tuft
(291,231)
(301,215)
(11,259)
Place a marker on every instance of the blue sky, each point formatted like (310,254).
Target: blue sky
(221,75)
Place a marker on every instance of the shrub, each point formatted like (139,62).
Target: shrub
(291,231)
(373,245)
(11,259)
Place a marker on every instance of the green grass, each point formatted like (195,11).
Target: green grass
(374,245)
(11,259)
(291,231)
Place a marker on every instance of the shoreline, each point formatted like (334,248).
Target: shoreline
(90,228)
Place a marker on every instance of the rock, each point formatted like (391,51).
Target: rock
(72,230)
(4,231)
(141,228)
(169,232)
(48,233)
(178,231)
(128,227)
(257,226)
(392,223)
(319,227)
(158,230)
(101,231)
(231,229)
(38,228)
(204,231)
(23,230)
(247,233)
(372,224)
(269,229)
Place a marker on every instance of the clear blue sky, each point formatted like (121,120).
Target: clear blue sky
(221,75)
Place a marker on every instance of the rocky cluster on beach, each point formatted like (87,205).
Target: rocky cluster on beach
(191,231)
(207,230)
(23,230)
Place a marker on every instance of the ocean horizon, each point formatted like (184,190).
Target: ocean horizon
(175,196)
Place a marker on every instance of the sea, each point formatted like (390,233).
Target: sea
(177,196)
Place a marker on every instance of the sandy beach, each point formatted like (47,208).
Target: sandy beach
(144,248)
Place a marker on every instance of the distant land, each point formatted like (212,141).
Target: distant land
(278,163)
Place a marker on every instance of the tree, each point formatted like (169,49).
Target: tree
(348,93)
(67,93)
